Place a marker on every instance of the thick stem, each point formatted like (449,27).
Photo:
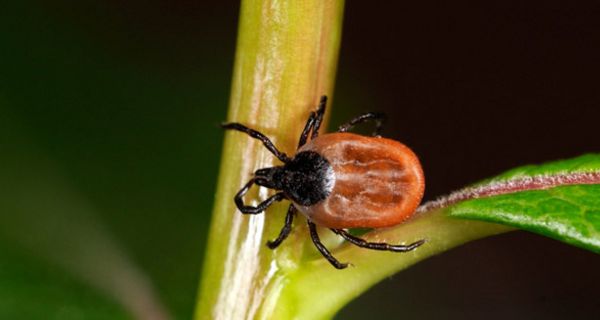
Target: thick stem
(285,60)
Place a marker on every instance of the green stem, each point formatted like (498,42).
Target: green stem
(286,59)
(318,291)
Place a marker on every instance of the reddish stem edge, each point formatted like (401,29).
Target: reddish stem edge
(539,182)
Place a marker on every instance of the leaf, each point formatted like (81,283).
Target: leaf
(566,209)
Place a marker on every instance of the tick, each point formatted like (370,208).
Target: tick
(339,181)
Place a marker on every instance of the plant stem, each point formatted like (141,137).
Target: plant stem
(318,291)
(285,60)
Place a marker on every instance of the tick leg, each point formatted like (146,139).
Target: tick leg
(319,117)
(313,123)
(376,245)
(379,119)
(285,231)
(309,125)
(239,201)
(315,238)
(257,135)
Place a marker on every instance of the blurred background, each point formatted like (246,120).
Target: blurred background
(109,147)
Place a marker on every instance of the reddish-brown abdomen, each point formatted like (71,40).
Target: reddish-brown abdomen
(378,182)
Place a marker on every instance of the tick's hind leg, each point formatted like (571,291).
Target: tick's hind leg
(377,245)
(315,238)
(379,119)
(285,231)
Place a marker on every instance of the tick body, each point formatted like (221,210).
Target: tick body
(341,180)
(373,182)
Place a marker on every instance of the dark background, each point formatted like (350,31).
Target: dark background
(120,101)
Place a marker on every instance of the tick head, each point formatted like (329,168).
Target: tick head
(271,177)
(308,178)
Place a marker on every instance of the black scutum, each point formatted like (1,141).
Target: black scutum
(307,178)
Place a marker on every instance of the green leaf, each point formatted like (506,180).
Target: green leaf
(563,210)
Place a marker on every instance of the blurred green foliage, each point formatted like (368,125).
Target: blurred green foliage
(134,139)
(33,290)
